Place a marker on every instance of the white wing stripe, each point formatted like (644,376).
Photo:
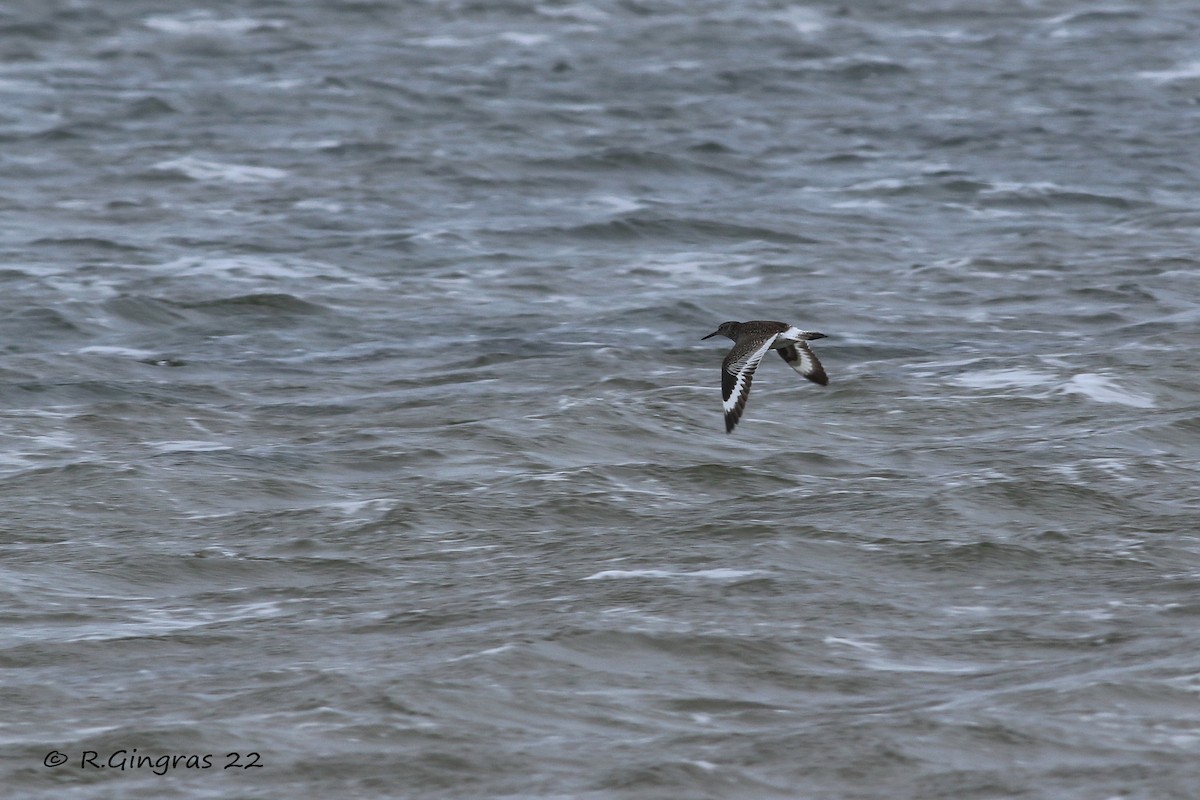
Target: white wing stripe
(745,371)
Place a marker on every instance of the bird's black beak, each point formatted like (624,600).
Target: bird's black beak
(714,333)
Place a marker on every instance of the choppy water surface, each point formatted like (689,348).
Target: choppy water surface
(355,414)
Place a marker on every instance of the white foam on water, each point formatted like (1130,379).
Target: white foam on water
(805,21)
(355,508)
(720,573)
(1095,387)
(491,651)
(313,144)
(870,203)
(944,668)
(188,446)
(984,213)
(616,204)
(449,42)
(948,34)
(1114,467)
(1105,390)
(524,39)
(467,548)
(200,170)
(56,440)
(856,644)
(874,657)
(1183,72)
(261,271)
(443,42)
(156,622)
(1031,188)
(233,268)
(195,23)
(697,268)
(578,13)
(553,477)
(122,352)
(1005,379)
(19,85)
(974,611)
(318,204)
(879,184)
(1083,472)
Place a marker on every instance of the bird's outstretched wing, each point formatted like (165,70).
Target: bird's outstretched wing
(802,359)
(736,374)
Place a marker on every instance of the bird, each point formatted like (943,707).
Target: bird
(751,341)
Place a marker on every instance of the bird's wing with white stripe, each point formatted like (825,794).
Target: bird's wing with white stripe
(802,359)
(736,375)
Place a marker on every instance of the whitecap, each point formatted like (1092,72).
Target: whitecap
(122,352)
(201,170)
(935,667)
(869,203)
(491,651)
(314,144)
(698,268)
(805,21)
(318,204)
(855,643)
(1030,188)
(616,204)
(442,42)
(1181,72)
(1105,390)
(260,271)
(524,39)
(163,621)
(1004,379)
(355,508)
(974,611)
(578,13)
(188,446)
(204,23)
(720,573)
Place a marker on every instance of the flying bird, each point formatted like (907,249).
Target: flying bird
(751,341)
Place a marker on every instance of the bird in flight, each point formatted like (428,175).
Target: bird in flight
(751,341)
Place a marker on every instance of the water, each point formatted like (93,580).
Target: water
(356,421)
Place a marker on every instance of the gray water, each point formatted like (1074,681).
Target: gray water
(355,418)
